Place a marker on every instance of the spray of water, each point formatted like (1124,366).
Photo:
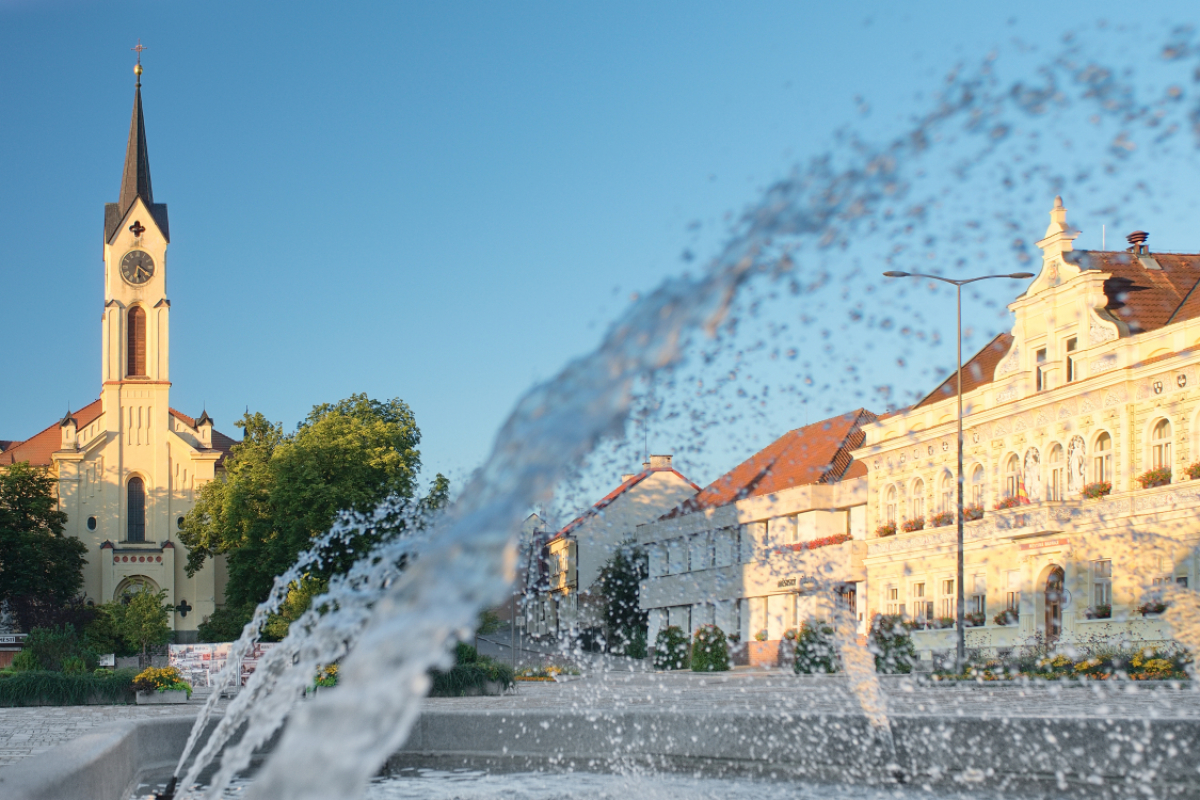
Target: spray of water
(390,625)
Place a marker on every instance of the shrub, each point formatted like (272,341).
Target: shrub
(43,688)
(630,642)
(51,647)
(1192,470)
(225,624)
(25,661)
(161,679)
(815,651)
(671,649)
(892,645)
(886,529)
(914,524)
(1009,616)
(327,676)
(710,650)
(941,519)
(973,512)
(1155,477)
(74,665)
(1007,502)
(1094,491)
(464,678)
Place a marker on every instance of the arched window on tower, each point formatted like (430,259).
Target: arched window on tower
(136,359)
(137,510)
(1160,445)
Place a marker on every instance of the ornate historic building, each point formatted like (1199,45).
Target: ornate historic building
(1080,442)
(128,465)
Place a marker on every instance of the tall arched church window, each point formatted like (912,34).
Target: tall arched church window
(1160,445)
(137,510)
(918,499)
(889,505)
(1012,476)
(136,340)
(1102,460)
(1058,475)
(977,485)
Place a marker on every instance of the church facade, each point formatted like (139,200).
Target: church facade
(128,465)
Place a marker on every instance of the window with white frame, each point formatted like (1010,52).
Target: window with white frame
(1012,597)
(1058,474)
(1012,476)
(1071,346)
(918,499)
(922,608)
(1160,445)
(891,596)
(948,601)
(1102,465)
(889,505)
(1101,583)
(1041,370)
(949,494)
(979,594)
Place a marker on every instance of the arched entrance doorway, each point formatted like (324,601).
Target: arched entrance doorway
(1054,603)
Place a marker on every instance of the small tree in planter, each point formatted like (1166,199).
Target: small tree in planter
(973,512)
(892,645)
(671,650)
(886,529)
(1094,491)
(941,519)
(815,651)
(1155,477)
(914,524)
(710,650)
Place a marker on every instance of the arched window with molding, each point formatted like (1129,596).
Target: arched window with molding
(1160,445)
(136,340)
(1102,465)
(948,494)
(1012,476)
(977,483)
(889,505)
(917,505)
(1057,485)
(136,510)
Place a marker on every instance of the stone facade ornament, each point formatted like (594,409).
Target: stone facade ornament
(1010,362)
(1101,332)
(1076,465)
(1033,475)
(1103,364)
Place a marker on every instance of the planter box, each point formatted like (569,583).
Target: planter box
(763,654)
(161,698)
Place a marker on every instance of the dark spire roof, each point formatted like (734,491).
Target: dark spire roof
(135,180)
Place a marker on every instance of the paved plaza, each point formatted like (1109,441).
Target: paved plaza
(26,731)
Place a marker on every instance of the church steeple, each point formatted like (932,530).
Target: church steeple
(135,179)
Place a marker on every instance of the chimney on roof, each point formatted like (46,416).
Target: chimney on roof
(1137,243)
(660,462)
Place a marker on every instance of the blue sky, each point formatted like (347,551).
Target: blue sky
(439,202)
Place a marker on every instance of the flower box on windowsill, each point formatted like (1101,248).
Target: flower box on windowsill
(1154,608)
(887,529)
(156,698)
(914,524)
(1155,477)
(1099,612)
(1094,491)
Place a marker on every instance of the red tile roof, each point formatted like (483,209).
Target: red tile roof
(608,499)
(978,371)
(38,448)
(1141,296)
(816,453)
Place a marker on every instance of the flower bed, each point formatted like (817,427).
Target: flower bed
(161,679)
(1105,663)
(1155,477)
(1094,491)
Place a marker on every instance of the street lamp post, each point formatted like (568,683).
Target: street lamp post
(961,598)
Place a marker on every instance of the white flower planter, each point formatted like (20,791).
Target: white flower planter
(171,697)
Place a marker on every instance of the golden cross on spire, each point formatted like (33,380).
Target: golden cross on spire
(137,68)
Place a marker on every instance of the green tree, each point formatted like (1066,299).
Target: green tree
(281,491)
(40,566)
(620,581)
(143,621)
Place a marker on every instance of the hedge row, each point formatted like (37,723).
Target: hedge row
(42,688)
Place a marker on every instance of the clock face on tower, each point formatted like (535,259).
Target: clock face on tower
(137,267)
